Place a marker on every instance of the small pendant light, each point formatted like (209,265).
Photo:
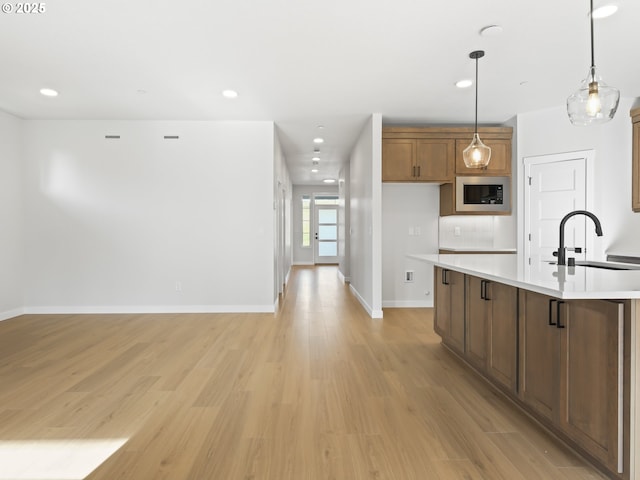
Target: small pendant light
(595,101)
(477,154)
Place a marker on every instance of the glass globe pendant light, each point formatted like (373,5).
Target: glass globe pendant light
(477,154)
(595,101)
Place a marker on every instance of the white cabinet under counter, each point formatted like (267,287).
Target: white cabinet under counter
(577,356)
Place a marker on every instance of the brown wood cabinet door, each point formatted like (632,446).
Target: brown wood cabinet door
(435,160)
(449,302)
(500,163)
(502,334)
(591,393)
(457,332)
(636,167)
(477,319)
(442,302)
(539,354)
(398,160)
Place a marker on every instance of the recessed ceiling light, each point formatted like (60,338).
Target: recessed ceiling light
(318,140)
(491,31)
(314,170)
(320,127)
(48,92)
(316,159)
(229,94)
(141,91)
(604,11)
(464,83)
(329,180)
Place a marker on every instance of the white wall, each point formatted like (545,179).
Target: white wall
(282,193)
(549,131)
(148,224)
(344,224)
(365,188)
(11,217)
(410,219)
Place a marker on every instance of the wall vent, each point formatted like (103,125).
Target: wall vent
(408,276)
(112,137)
(171,137)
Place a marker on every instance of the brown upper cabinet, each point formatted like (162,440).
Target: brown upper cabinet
(417,160)
(635,201)
(434,154)
(500,163)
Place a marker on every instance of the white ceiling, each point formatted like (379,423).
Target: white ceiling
(304,63)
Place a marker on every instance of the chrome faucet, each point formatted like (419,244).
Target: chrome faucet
(562,251)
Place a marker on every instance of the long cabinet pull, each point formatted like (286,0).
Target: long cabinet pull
(551,322)
(559,325)
(483,290)
(418,171)
(445,280)
(413,171)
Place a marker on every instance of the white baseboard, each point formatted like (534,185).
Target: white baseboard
(372,313)
(342,278)
(16,312)
(152,309)
(407,304)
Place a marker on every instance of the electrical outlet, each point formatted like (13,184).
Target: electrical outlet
(178,286)
(456,231)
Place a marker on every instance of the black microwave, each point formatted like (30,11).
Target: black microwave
(483,194)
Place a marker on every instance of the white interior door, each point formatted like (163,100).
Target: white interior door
(326,234)
(554,186)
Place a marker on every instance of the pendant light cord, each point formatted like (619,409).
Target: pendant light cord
(476,122)
(593,62)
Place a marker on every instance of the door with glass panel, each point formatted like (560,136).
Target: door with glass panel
(326,234)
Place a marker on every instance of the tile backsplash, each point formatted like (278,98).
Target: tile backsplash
(476,231)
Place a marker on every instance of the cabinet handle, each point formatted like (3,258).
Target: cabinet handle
(483,290)
(413,171)
(445,280)
(551,322)
(418,171)
(559,325)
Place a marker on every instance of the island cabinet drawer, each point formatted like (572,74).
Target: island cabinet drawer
(491,330)
(572,371)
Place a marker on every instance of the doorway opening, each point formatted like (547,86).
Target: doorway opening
(326,229)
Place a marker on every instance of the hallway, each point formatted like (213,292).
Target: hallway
(317,391)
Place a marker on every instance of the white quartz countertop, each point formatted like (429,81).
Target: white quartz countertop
(559,281)
(478,249)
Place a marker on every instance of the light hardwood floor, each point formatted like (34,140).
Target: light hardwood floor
(317,391)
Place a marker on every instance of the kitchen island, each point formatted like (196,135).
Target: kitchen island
(561,341)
